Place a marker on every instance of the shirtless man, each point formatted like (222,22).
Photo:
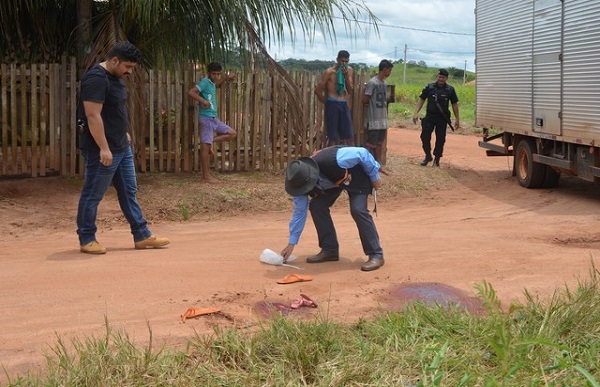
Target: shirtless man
(333,90)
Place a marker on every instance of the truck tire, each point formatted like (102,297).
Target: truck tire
(551,177)
(529,173)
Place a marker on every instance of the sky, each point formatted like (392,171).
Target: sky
(440,33)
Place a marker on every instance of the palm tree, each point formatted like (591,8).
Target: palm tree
(169,32)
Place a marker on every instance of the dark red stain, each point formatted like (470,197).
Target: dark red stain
(269,309)
(427,293)
(432,294)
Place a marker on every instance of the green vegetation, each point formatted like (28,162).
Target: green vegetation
(421,75)
(407,94)
(407,88)
(316,65)
(185,211)
(407,97)
(552,343)
(45,30)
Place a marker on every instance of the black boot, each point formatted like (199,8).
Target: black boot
(426,160)
(436,162)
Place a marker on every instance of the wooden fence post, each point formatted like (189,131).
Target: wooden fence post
(39,102)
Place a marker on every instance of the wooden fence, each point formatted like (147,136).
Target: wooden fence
(38,120)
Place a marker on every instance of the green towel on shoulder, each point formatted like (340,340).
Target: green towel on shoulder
(341,82)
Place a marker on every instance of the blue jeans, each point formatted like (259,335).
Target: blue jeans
(121,173)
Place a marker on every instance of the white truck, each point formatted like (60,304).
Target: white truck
(538,86)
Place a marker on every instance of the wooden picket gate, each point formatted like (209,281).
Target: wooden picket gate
(39,135)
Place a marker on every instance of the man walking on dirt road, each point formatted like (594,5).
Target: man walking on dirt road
(106,148)
(439,95)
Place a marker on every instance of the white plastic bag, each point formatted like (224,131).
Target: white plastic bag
(272,258)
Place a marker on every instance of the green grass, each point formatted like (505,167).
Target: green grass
(407,97)
(537,343)
(407,93)
(420,75)
(184,211)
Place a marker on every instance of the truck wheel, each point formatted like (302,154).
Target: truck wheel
(551,177)
(529,173)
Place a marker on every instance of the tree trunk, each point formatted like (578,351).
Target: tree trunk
(84,28)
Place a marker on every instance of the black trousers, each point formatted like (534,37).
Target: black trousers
(431,123)
(320,211)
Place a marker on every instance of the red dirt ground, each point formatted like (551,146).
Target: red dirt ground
(486,227)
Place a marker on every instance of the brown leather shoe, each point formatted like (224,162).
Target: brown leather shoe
(323,257)
(152,242)
(94,247)
(373,263)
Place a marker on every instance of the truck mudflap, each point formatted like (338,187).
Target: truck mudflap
(495,149)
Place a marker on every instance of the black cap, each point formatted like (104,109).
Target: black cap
(443,72)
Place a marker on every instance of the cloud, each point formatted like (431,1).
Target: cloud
(418,24)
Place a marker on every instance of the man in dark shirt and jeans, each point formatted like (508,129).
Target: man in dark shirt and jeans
(438,95)
(106,149)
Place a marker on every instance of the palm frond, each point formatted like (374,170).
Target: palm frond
(168,32)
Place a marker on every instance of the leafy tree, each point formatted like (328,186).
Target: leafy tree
(169,32)
(172,32)
(303,64)
(456,73)
(314,65)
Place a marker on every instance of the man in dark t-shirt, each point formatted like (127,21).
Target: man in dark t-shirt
(106,149)
(439,95)
(101,87)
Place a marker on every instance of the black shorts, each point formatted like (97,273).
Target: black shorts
(375,137)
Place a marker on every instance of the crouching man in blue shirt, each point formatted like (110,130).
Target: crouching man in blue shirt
(322,177)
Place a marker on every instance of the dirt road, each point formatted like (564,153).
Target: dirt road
(485,227)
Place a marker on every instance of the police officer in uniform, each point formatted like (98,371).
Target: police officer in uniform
(439,95)
(316,182)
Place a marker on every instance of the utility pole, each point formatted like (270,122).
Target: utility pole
(405,52)
(465,73)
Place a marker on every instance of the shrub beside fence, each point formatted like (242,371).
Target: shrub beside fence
(39,135)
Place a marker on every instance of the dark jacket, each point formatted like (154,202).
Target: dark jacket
(444,95)
(332,176)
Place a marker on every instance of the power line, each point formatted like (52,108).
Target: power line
(409,28)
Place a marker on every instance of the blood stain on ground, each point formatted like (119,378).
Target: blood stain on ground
(432,294)
(268,309)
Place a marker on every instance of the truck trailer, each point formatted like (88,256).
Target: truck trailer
(538,86)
